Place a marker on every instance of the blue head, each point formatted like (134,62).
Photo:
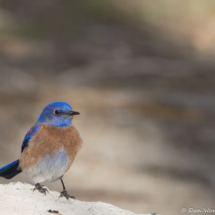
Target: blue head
(57,114)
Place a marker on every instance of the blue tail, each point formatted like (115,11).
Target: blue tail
(10,170)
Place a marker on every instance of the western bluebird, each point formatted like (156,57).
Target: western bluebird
(49,148)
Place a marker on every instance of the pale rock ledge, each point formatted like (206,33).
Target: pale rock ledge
(19,199)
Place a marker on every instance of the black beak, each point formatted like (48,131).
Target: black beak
(72,113)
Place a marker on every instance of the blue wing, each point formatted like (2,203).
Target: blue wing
(12,169)
(29,135)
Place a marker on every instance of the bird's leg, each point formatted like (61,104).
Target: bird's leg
(40,188)
(64,192)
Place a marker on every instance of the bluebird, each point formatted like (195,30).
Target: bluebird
(49,148)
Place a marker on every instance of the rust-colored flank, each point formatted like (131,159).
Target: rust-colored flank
(49,140)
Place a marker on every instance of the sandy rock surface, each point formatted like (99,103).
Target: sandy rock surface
(19,199)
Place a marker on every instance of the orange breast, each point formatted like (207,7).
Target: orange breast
(50,140)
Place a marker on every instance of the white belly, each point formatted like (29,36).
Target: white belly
(49,169)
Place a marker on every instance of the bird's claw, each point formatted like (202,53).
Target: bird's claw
(40,189)
(65,194)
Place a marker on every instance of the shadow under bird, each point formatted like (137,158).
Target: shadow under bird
(49,148)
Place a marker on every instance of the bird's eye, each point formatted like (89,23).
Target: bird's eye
(56,112)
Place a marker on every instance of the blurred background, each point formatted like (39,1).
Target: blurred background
(141,72)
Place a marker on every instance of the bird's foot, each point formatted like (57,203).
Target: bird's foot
(65,194)
(40,189)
